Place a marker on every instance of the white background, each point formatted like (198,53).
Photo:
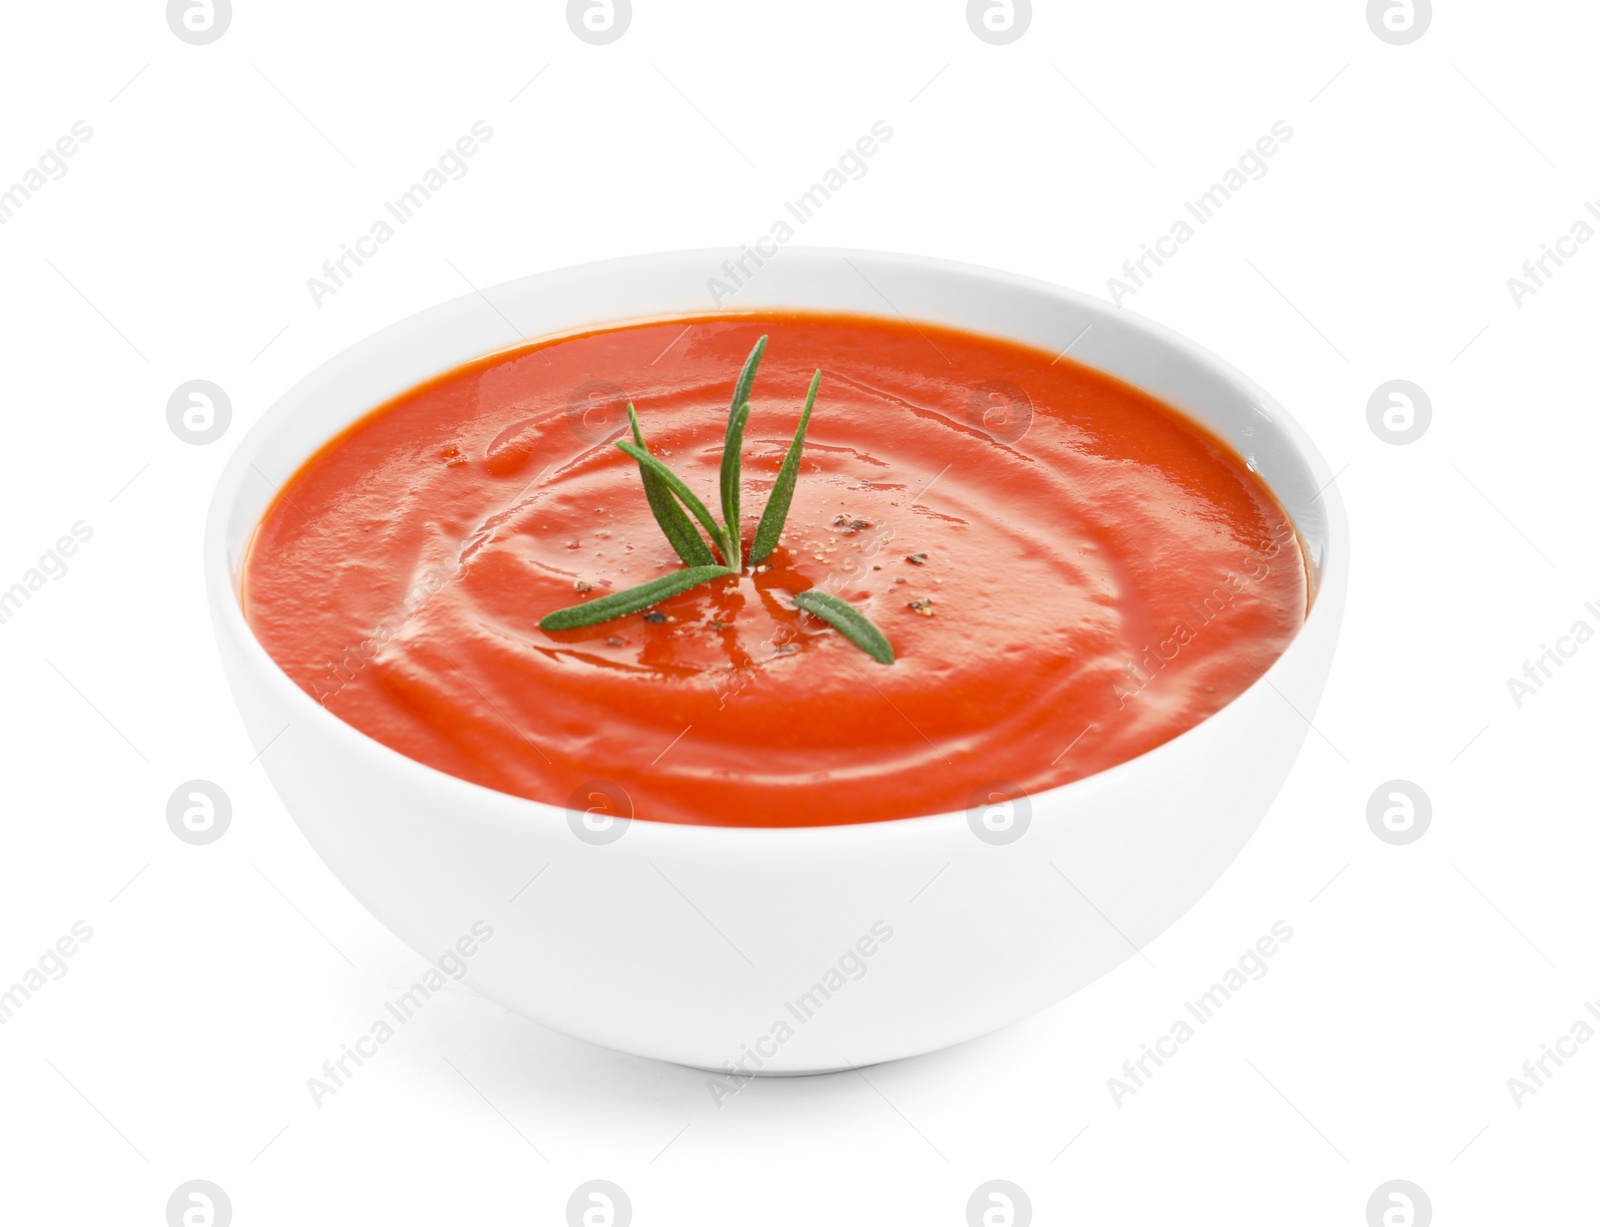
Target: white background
(219,978)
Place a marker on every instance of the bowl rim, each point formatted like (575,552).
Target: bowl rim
(220,582)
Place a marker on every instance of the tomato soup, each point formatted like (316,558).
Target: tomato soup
(1070,574)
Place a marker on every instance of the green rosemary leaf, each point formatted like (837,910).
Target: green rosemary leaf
(630,600)
(674,483)
(747,379)
(732,442)
(675,525)
(729,484)
(850,622)
(777,509)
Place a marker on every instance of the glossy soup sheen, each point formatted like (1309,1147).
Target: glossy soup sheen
(1070,573)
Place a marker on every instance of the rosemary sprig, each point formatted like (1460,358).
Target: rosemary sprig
(734,552)
(747,379)
(669,497)
(732,445)
(777,509)
(675,484)
(674,523)
(630,600)
(849,621)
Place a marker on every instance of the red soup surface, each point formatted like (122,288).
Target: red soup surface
(1070,573)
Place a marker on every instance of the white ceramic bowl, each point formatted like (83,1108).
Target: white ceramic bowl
(708,945)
